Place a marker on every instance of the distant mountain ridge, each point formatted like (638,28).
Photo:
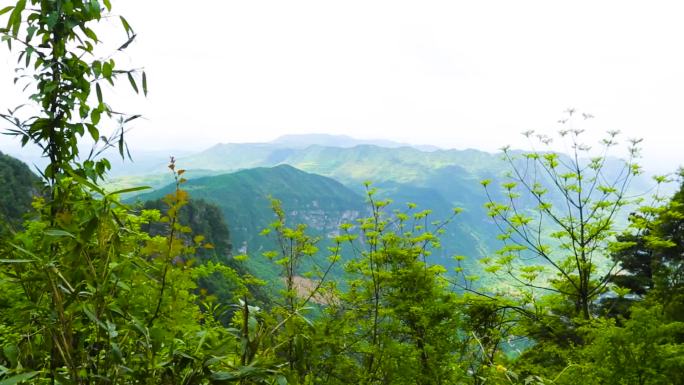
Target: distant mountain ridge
(344,141)
(341,161)
(350,161)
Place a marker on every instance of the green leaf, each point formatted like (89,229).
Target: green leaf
(144,83)
(16,260)
(6,9)
(52,19)
(127,43)
(95,116)
(116,352)
(11,353)
(94,132)
(132,80)
(121,144)
(107,69)
(19,378)
(98,90)
(59,233)
(134,117)
(125,24)
(14,22)
(128,190)
(30,254)
(223,376)
(97,68)
(108,4)
(84,182)
(89,32)
(91,314)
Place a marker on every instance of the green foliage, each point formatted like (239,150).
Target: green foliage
(398,316)
(555,256)
(94,292)
(648,349)
(294,307)
(652,260)
(83,313)
(205,219)
(18,185)
(57,50)
(88,296)
(569,232)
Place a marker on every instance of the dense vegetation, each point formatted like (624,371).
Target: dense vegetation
(18,185)
(96,291)
(203,218)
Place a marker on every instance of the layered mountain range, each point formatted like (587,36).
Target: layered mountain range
(321,181)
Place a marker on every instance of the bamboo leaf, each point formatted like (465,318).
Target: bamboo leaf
(91,314)
(98,90)
(127,43)
(125,24)
(14,22)
(132,80)
(134,117)
(18,378)
(144,83)
(58,233)
(84,182)
(6,9)
(128,190)
(35,258)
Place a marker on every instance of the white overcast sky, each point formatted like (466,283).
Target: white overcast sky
(463,74)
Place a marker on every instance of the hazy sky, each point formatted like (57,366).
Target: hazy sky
(450,73)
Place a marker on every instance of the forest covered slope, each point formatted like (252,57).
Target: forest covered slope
(243,197)
(18,185)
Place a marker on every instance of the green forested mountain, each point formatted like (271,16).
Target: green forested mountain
(352,165)
(17,187)
(203,218)
(439,180)
(324,204)
(346,164)
(346,160)
(243,197)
